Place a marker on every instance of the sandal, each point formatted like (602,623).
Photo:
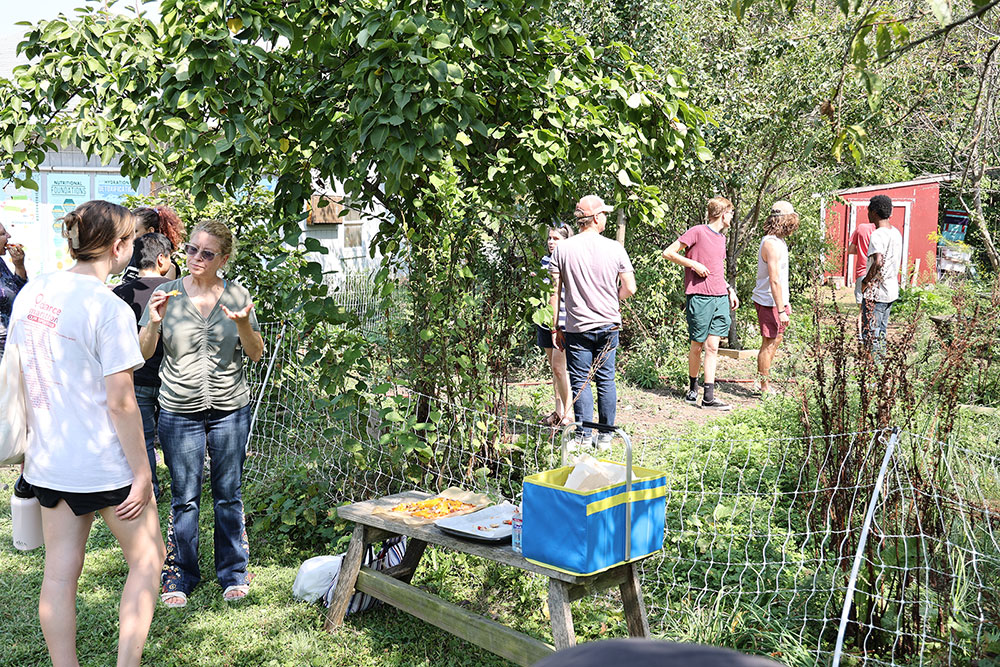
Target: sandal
(181,596)
(239,588)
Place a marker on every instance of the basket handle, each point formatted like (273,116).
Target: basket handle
(608,428)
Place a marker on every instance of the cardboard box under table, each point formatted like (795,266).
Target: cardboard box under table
(588,532)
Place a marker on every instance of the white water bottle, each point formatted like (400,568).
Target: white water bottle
(26,515)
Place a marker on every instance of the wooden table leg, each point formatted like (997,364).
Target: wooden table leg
(411,558)
(561,615)
(346,580)
(635,609)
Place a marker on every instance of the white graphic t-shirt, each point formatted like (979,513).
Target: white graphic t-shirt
(888,242)
(73,331)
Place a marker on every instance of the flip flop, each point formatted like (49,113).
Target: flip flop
(240,588)
(174,594)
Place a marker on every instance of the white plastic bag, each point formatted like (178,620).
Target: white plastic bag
(315,577)
(589,474)
(13,407)
(391,554)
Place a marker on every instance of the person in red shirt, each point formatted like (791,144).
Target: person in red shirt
(710,298)
(858,246)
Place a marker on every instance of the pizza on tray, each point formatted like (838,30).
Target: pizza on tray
(433,508)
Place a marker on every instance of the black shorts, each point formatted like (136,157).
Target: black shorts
(82,503)
(543,337)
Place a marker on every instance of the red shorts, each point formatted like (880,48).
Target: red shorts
(767,316)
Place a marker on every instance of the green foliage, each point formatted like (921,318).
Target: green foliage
(931,299)
(431,116)
(293,509)
(656,361)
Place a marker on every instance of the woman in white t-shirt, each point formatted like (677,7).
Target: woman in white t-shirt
(78,345)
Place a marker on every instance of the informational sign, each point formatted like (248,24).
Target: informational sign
(54,248)
(67,191)
(38,226)
(112,187)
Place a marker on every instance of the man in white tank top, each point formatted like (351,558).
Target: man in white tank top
(770,295)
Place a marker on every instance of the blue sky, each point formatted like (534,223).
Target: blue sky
(36,10)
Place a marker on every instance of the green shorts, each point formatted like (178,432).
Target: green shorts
(707,316)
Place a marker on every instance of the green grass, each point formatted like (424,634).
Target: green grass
(270,628)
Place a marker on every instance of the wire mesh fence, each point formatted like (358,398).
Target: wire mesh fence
(761,533)
(357,292)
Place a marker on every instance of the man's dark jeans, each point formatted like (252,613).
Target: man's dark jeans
(584,350)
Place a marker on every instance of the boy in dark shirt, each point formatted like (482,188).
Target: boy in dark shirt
(153,251)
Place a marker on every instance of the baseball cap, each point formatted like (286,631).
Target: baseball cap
(782,208)
(591,205)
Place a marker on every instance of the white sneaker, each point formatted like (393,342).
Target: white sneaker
(577,442)
(603,441)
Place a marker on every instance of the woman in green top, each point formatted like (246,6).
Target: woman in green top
(207,325)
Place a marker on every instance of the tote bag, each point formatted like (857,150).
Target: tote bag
(13,408)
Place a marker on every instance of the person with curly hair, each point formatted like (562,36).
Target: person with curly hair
(771,294)
(158,220)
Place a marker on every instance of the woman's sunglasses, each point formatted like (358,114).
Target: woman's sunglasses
(193,251)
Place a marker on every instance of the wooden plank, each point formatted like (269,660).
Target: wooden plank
(499,552)
(737,354)
(346,579)
(561,615)
(597,583)
(503,641)
(635,608)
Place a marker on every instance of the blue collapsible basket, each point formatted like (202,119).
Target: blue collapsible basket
(586,532)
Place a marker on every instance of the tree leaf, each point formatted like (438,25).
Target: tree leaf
(439,70)
(942,11)
(175,124)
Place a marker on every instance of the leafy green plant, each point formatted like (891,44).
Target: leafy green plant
(293,509)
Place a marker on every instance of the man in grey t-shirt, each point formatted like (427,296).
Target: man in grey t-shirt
(596,274)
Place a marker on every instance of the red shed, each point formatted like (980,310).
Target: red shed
(914,213)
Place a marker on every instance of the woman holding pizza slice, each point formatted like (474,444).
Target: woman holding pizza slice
(207,329)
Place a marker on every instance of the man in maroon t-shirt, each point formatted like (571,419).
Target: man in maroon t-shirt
(709,296)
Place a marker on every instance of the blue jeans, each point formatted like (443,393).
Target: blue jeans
(583,350)
(184,438)
(874,324)
(149,408)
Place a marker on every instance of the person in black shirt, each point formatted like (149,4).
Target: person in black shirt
(161,220)
(152,256)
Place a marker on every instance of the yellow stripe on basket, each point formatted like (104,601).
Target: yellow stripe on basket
(614,501)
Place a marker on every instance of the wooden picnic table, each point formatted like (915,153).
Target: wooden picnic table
(392,585)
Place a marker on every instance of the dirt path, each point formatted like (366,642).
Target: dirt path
(645,410)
